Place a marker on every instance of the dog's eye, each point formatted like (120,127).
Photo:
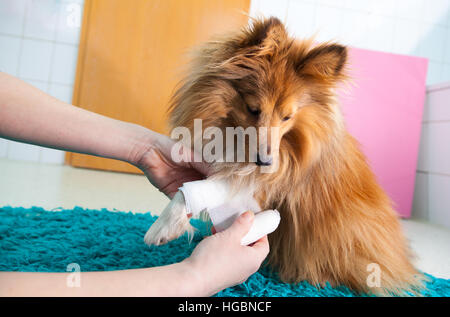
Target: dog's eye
(286,118)
(254,112)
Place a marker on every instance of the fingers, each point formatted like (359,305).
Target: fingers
(262,247)
(170,194)
(188,158)
(241,225)
(201,166)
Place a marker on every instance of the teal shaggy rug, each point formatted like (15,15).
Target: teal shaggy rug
(36,240)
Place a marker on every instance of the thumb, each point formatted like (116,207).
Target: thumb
(241,225)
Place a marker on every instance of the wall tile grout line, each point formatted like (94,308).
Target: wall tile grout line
(396,19)
(436,121)
(37,153)
(50,73)
(44,81)
(39,39)
(433,173)
(370,12)
(22,32)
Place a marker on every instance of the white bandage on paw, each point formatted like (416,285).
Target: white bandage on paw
(223,207)
(204,194)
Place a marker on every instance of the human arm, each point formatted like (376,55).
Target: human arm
(31,116)
(218,262)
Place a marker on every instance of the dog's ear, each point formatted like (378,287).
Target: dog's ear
(264,34)
(326,61)
(261,38)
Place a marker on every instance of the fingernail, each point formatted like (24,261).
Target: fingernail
(247,216)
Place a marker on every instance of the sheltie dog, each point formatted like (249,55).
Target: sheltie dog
(337,223)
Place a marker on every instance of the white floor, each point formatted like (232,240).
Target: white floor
(49,186)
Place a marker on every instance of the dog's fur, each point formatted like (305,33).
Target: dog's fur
(335,218)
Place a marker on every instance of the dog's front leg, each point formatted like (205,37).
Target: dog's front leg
(171,224)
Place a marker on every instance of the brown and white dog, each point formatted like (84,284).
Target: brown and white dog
(335,219)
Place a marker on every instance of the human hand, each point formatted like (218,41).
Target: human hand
(163,172)
(220,261)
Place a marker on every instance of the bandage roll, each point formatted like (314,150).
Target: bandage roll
(265,222)
(224,215)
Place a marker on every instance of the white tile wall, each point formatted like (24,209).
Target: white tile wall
(62,70)
(421,196)
(269,7)
(69,22)
(413,27)
(439,199)
(328,22)
(446,71)
(42,85)
(35,59)
(23,152)
(405,37)
(304,21)
(10,54)
(432,190)
(434,73)
(3,147)
(439,111)
(434,14)
(433,44)
(410,9)
(12,15)
(61,92)
(41,18)
(52,156)
(438,147)
(39,44)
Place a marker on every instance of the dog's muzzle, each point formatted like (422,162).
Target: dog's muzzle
(263,161)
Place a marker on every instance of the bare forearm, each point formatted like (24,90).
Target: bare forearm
(170,280)
(29,115)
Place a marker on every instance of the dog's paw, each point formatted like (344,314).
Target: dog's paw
(162,232)
(172,223)
(158,234)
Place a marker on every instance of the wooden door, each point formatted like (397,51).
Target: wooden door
(130,57)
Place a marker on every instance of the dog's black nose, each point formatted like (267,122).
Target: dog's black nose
(265,162)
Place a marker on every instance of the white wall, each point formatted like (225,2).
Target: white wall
(39,44)
(412,27)
(432,190)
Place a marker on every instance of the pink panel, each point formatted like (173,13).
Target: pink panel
(383,110)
